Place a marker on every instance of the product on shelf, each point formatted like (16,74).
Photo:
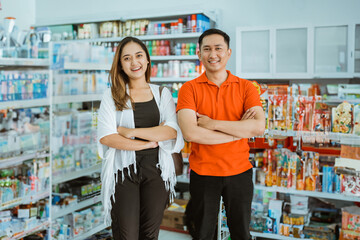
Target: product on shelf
(88,30)
(139,27)
(342,118)
(23,43)
(321,231)
(163,48)
(277,112)
(321,118)
(350,184)
(77,223)
(349,91)
(23,130)
(23,218)
(284,168)
(176,69)
(23,85)
(102,53)
(350,150)
(24,180)
(357,119)
(74,139)
(350,222)
(300,109)
(71,82)
(302,217)
(330,181)
(83,188)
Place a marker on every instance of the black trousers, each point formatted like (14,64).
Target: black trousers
(203,208)
(140,201)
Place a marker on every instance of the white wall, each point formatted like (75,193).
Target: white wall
(235,13)
(22,10)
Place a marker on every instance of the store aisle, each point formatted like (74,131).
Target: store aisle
(169,235)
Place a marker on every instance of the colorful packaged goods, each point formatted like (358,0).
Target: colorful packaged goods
(330,181)
(322,118)
(280,109)
(350,185)
(350,224)
(311,170)
(342,118)
(351,151)
(284,168)
(294,170)
(357,119)
(304,113)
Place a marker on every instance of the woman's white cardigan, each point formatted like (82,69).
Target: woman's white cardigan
(107,125)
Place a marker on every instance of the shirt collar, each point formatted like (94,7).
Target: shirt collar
(203,78)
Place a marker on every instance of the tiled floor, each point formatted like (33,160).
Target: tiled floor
(168,235)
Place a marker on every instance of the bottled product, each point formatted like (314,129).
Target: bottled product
(180,26)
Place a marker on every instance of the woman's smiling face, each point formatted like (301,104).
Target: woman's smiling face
(134,61)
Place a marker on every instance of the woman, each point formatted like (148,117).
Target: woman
(137,132)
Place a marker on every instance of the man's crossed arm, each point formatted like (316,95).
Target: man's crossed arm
(204,130)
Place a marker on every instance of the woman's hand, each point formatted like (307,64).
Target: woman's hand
(151,145)
(125,132)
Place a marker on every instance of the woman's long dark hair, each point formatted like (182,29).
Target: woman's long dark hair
(118,78)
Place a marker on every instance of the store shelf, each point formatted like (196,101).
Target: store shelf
(172,15)
(25,103)
(115,17)
(169,36)
(143,38)
(336,196)
(42,226)
(273,236)
(348,163)
(262,235)
(86,66)
(24,62)
(77,98)
(91,232)
(24,200)
(327,135)
(76,206)
(7,162)
(101,66)
(339,100)
(171,79)
(76,174)
(174,57)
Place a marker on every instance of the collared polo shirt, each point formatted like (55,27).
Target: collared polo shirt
(227,102)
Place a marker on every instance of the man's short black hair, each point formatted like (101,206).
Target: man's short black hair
(212,31)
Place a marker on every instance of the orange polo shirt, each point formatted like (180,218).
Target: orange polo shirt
(227,102)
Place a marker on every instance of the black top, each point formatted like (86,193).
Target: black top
(146,114)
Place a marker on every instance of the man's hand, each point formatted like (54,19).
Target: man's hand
(125,132)
(249,114)
(205,122)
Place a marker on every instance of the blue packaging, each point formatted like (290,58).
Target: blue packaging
(337,184)
(328,179)
(199,23)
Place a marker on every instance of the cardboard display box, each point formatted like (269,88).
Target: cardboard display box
(174,216)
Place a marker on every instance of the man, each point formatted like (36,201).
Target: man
(217,113)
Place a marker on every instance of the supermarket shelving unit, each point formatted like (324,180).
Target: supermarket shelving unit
(13,64)
(76,206)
